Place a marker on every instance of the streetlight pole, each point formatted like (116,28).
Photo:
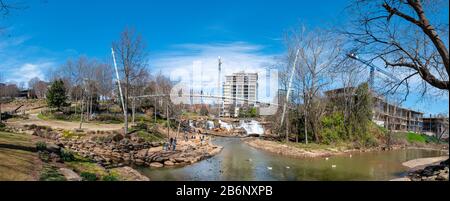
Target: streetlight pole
(294,66)
(121,94)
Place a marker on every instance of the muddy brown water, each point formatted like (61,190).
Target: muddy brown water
(240,162)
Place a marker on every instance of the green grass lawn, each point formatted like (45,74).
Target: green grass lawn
(413,137)
(17,162)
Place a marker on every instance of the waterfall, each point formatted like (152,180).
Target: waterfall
(225,125)
(252,128)
(209,125)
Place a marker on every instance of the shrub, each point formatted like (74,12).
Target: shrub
(41,146)
(110,177)
(67,155)
(32,126)
(141,126)
(72,135)
(333,128)
(248,112)
(150,137)
(51,174)
(87,176)
(44,156)
(118,137)
(2,126)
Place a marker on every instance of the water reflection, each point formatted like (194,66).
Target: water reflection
(240,162)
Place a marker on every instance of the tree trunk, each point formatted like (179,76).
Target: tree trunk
(81,115)
(306,127)
(178,130)
(90,108)
(287,126)
(133,111)
(126,108)
(168,121)
(76,103)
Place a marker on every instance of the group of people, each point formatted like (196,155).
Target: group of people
(171,145)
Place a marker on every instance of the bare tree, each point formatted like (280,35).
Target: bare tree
(38,87)
(319,53)
(5,7)
(407,36)
(1,95)
(132,60)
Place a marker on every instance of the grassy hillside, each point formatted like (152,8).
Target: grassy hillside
(18,162)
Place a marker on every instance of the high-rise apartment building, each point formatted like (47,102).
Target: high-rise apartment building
(239,90)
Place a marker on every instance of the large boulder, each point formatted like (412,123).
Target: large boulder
(169,163)
(69,174)
(53,148)
(156,165)
(130,174)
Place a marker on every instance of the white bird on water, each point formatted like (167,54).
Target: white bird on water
(333,166)
(326,159)
(288,167)
(269,168)
(351,156)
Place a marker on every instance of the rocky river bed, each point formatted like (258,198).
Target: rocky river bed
(435,172)
(130,152)
(112,149)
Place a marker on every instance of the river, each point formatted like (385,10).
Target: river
(240,162)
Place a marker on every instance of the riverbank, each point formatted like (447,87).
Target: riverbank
(437,171)
(427,169)
(297,150)
(110,150)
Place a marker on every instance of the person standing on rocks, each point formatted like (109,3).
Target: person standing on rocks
(174,144)
(170,143)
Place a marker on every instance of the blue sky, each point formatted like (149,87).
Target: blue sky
(41,37)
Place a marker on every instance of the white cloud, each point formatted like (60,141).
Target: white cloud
(236,57)
(20,62)
(27,71)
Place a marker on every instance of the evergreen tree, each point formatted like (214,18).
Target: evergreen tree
(56,95)
(362,113)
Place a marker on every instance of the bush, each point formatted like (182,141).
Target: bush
(51,174)
(41,146)
(72,135)
(141,126)
(432,139)
(248,113)
(150,137)
(110,177)
(87,176)
(2,126)
(44,156)
(67,155)
(333,129)
(118,137)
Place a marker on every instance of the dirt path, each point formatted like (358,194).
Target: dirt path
(66,125)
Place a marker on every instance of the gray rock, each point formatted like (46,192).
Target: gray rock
(69,174)
(53,148)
